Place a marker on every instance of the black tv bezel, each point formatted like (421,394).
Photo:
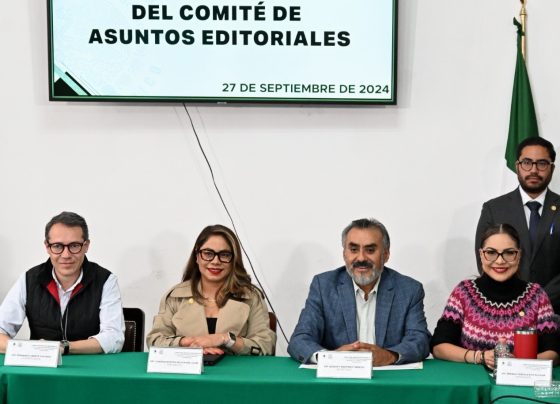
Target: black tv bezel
(225,100)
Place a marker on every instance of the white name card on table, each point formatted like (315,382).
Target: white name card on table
(175,360)
(344,364)
(523,372)
(38,353)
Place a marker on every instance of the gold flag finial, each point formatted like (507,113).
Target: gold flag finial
(523,17)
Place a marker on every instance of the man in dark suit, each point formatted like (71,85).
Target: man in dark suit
(363,305)
(533,210)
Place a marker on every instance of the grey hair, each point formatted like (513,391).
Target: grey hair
(367,224)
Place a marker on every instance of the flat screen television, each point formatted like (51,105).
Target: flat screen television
(296,51)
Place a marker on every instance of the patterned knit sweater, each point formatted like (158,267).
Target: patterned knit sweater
(482,310)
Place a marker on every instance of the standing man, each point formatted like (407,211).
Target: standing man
(67,298)
(363,305)
(533,210)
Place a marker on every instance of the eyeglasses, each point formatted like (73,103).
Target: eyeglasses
(507,255)
(527,164)
(223,256)
(58,248)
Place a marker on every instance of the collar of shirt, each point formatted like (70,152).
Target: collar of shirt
(526,198)
(358,291)
(64,295)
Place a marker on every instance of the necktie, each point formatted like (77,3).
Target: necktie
(534,207)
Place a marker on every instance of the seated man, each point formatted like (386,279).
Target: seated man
(363,306)
(67,298)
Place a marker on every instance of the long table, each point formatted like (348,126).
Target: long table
(122,378)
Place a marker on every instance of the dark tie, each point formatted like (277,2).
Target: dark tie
(534,207)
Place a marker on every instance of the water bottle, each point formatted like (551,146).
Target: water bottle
(501,350)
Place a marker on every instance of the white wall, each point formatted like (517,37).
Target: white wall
(292,176)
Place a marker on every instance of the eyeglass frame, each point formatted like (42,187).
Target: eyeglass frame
(501,254)
(214,255)
(535,163)
(64,246)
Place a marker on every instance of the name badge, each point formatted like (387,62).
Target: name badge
(523,372)
(37,353)
(344,364)
(175,360)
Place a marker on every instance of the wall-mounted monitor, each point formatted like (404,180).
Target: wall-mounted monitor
(295,51)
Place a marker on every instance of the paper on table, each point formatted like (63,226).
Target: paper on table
(408,366)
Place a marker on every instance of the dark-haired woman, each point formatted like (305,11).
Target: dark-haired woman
(481,311)
(215,306)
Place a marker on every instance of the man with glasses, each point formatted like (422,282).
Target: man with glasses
(67,298)
(363,305)
(533,210)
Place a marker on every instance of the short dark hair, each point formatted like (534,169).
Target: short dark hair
(537,141)
(69,219)
(367,224)
(501,228)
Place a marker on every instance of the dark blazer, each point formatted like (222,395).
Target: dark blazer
(328,319)
(540,263)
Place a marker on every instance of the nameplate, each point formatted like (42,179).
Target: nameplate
(175,360)
(37,353)
(344,364)
(523,372)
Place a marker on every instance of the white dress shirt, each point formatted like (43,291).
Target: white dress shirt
(111,319)
(365,313)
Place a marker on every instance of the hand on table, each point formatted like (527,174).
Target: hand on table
(489,359)
(381,356)
(211,343)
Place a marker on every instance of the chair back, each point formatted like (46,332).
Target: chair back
(272,321)
(134,330)
(272,325)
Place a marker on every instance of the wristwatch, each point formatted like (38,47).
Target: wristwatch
(231,341)
(66,346)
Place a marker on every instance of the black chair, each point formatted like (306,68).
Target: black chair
(134,330)
(272,320)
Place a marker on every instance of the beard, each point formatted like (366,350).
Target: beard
(366,278)
(534,189)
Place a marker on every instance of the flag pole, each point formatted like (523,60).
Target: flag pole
(523,16)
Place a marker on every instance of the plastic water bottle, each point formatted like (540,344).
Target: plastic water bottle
(501,350)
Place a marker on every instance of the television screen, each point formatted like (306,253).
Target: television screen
(306,51)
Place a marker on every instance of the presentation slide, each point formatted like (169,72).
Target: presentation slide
(306,51)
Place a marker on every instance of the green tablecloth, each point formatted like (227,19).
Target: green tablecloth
(122,378)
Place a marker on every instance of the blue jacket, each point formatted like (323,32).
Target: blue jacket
(328,319)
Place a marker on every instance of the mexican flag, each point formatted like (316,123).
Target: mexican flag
(522,118)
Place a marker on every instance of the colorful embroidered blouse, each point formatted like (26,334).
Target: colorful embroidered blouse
(480,311)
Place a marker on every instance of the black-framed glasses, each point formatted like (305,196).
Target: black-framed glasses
(507,255)
(223,256)
(58,248)
(527,164)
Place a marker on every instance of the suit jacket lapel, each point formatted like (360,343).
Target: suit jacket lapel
(347,301)
(384,302)
(549,212)
(516,215)
(519,220)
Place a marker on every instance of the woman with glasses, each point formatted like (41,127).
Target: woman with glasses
(215,306)
(481,311)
